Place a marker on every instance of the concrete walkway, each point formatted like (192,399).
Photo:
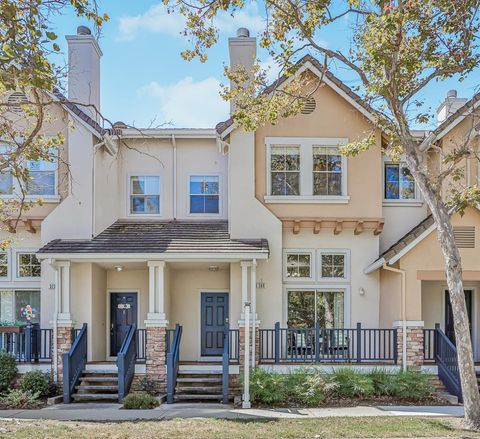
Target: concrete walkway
(113,412)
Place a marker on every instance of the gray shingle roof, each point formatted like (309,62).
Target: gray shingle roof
(161,237)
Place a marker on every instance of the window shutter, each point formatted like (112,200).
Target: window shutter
(464,236)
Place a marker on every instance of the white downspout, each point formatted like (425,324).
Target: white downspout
(55,322)
(246,379)
(253,289)
(404,317)
(174,144)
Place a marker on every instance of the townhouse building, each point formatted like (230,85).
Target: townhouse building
(153,245)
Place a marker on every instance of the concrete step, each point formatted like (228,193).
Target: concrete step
(196,397)
(202,389)
(99,373)
(79,397)
(198,380)
(97,387)
(95,379)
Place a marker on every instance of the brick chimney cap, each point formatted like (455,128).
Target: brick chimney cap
(243,32)
(83,30)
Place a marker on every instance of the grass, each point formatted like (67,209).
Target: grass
(328,428)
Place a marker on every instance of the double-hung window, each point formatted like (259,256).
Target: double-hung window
(306,170)
(145,195)
(42,177)
(285,170)
(399,182)
(204,194)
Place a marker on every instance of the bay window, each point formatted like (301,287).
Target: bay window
(306,170)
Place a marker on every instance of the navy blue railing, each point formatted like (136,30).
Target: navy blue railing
(173,359)
(126,358)
(313,345)
(141,335)
(429,345)
(30,344)
(73,363)
(447,362)
(234,345)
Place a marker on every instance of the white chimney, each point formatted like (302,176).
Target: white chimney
(449,106)
(84,71)
(243,52)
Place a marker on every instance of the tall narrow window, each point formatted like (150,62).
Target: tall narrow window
(145,194)
(285,170)
(399,182)
(204,194)
(6,178)
(327,171)
(28,265)
(42,177)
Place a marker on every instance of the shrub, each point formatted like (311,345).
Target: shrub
(19,399)
(8,371)
(383,382)
(146,385)
(349,383)
(37,382)
(267,387)
(412,384)
(140,401)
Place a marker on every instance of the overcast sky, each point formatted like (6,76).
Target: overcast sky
(145,82)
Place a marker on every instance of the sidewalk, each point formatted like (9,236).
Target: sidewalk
(113,412)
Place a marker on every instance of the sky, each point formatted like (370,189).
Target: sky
(146,83)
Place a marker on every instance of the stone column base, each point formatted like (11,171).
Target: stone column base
(64,343)
(415,341)
(156,368)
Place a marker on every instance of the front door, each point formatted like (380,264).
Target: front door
(449,328)
(214,314)
(123,313)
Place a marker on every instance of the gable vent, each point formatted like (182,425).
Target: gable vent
(464,236)
(309,107)
(16,100)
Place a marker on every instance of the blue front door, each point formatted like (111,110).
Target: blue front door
(123,313)
(214,315)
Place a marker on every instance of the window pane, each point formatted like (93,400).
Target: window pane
(391,181)
(152,204)
(333,265)
(211,185)
(138,185)
(298,265)
(320,184)
(278,183)
(28,265)
(137,205)
(292,183)
(211,204)
(24,298)
(197,203)
(301,309)
(41,183)
(285,170)
(3,265)
(6,306)
(334,184)
(41,165)
(152,185)
(407,184)
(330,309)
(6,183)
(334,163)
(196,185)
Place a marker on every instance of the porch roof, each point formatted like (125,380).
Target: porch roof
(161,237)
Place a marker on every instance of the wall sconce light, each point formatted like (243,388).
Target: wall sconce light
(213,268)
(118,268)
(361,291)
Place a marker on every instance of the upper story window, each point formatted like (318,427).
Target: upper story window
(285,170)
(204,194)
(42,177)
(399,182)
(6,183)
(3,264)
(298,265)
(327,171)
(145,195)
(333,265)
(303,170)
(28,265)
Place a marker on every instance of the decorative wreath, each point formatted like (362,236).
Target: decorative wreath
(28,312)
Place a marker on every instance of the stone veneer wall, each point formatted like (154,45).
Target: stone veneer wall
(64,343)
(414,346)
(156,368)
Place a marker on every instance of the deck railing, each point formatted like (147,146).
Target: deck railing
(313,345)
(126,362)
(225,362)
(173,359)
(447,361)
(141,335)
(30,345)
(429,345)
(73,363)
(234,345)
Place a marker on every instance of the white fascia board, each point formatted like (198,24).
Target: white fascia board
(78,119)
(180,133)
(132,257)
(374,266)
(456,121)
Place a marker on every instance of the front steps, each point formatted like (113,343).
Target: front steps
(198,385)
(97,385)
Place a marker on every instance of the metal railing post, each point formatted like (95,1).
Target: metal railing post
(28,342)
(276,342)
(317,342)
(359,342)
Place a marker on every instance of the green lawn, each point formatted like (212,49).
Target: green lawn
(379,427)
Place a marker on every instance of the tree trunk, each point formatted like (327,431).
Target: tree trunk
(453,270)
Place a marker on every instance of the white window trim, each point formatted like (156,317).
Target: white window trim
(411,202)
(129,194)
(302,251)
(17,278)
(48,198)
(306,170)
(320,287)
(8,277)
(220,195)
(333,251)
(17,288)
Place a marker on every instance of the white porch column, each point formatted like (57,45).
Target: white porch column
(62,290)
(156,294)
(244,265)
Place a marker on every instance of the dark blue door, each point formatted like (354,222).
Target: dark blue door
(214,315)
(123,313)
